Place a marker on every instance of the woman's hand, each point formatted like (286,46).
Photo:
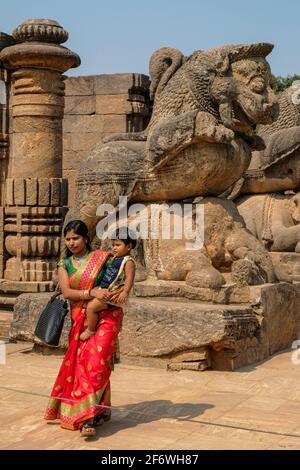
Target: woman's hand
(101,294)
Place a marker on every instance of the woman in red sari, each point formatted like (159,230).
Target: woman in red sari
(81,393)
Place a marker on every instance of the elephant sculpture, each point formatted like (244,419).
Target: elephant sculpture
(274,219)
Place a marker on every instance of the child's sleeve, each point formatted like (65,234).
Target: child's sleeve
(130,258)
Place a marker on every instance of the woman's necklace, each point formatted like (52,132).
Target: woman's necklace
(80,259)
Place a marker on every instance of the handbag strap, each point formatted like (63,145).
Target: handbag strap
(57,292)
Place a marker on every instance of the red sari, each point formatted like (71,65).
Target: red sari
(82,388)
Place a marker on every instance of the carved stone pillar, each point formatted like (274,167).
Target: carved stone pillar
(36,195)
(3,115)
(5,41)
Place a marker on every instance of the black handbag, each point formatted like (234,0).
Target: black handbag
(51,321)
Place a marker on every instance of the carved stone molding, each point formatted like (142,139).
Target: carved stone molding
(33,242)
(48,192)
(33,220)
(38,93)
(42,246)
(6,40)
(40,30)
(38,270)
(45,56)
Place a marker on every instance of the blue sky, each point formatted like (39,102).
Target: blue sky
(114,36)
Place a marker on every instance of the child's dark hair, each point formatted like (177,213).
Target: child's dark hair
(79,228)
(125,235)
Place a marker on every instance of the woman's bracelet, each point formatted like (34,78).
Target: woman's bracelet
(85,294)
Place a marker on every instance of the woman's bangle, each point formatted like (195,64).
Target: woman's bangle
(85,294)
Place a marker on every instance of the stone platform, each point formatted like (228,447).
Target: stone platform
(187,334)
(9,292)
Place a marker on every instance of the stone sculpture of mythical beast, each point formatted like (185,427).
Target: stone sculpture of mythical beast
(200,136)
(276,168)
(273,213)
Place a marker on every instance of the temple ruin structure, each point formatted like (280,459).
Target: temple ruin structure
(205,130)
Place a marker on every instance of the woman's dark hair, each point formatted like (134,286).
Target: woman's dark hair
(125,235)
(79,228)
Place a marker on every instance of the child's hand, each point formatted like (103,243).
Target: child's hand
(114,295)
(122,298)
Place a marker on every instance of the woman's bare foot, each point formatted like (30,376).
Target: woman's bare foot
(86,334)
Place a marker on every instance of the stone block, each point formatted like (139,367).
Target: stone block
(227,294)
(94,123)
(2,265)
(114,124)
(44,192)
(19,192)
(280,304)
(31,191)
(1,219)
(80,105)
(80,141)
(79,86)
(22,287)
(201,354)
(117,83)
(113,104)
(193,360)
(64,192)
(28,308)
(2,239)
(83,124)
(105,84)
(201,365)
(9,191)
(72,159)
(71,176)
(55,196)
(165,327)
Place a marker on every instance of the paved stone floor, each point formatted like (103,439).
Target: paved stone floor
(256,407)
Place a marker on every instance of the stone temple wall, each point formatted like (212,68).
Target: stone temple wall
(97,106)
